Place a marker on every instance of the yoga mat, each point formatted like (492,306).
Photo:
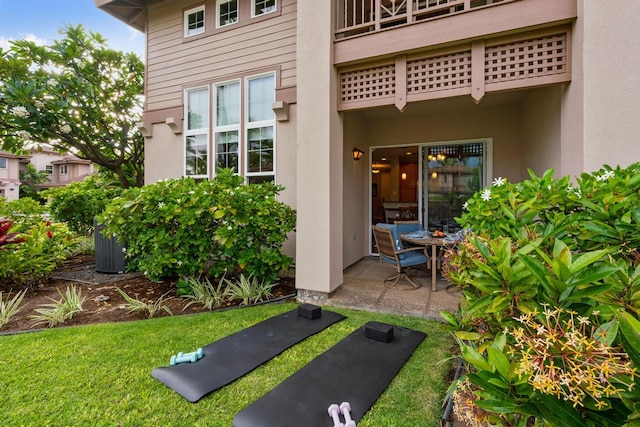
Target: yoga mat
(356,370)
(231,357)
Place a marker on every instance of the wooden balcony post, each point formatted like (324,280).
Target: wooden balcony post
(401,82)
(477,70)
(378,13)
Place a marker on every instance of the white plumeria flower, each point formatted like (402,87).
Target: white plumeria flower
(499,182)
(65,129)
(161,205)
(486,195)
(24,135)
(465,206)
(20,111)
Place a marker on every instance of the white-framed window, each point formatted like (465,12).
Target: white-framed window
(64,169)
(260,128)
(196,144)
(3,163)
(49,169)
(226,12)
(194,21)
(227,125)
(262,7)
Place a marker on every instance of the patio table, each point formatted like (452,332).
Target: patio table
(434,242)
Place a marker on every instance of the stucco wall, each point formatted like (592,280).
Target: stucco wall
(502,123)
(540,132)
(356,194)
(610,63)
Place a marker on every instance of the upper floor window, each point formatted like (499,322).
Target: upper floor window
(49,169)
(63,169)
(194,21)
(262,7)
(196,159)
(226,12)
(3,163)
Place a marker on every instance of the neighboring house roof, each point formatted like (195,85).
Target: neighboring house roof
(68,159)
(131,12)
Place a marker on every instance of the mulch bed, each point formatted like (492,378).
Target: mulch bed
(103,303)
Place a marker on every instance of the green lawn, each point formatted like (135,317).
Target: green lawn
(101,375)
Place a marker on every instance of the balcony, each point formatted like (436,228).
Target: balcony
(356,17)
(396,52)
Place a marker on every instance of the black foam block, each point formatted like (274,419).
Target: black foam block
(356,370)
(379,332)
(309,311)
(231,357)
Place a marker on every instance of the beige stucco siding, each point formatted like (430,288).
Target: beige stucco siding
(174,62)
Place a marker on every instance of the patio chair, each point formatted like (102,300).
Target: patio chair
(408,213)
(391,251)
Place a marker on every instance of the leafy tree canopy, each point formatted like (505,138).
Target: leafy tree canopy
(76,95)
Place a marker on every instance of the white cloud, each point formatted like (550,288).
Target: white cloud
(4,43)
(37,40)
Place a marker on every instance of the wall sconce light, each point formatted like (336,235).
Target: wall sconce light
(357,153)
(404,176)
(434,175)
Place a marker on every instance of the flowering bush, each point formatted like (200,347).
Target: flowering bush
(550,277)
(185,228)
(42,248)
(78,203)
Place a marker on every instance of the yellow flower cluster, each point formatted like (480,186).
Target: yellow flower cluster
(561,354)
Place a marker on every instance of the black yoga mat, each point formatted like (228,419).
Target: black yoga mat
(356,370)
(231,357)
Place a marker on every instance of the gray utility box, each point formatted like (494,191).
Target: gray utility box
(109,252)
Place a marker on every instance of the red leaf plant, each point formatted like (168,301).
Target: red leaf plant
(7,238)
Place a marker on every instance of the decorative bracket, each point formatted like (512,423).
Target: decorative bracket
(175,125)
(281,108)
(146,132)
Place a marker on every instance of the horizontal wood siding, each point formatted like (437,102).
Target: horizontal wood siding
(174,63)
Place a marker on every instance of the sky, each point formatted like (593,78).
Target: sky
(40,21)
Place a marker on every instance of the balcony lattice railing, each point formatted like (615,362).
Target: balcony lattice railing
(534,58)
(356,17)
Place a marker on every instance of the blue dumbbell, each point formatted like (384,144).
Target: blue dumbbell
(187,357)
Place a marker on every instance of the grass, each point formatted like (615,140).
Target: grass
(99,375)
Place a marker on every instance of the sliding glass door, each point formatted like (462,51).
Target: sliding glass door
(451,173)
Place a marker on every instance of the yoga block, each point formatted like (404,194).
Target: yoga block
(379,332)
(309,311)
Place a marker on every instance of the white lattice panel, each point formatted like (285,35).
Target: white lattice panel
(368,84)
(439,73)
(537,57)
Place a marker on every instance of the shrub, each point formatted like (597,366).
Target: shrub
(25,212)
(43,247)
(79,202)
(184,228)
(550,278)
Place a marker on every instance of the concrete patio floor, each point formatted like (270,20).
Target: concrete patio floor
(363,289)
